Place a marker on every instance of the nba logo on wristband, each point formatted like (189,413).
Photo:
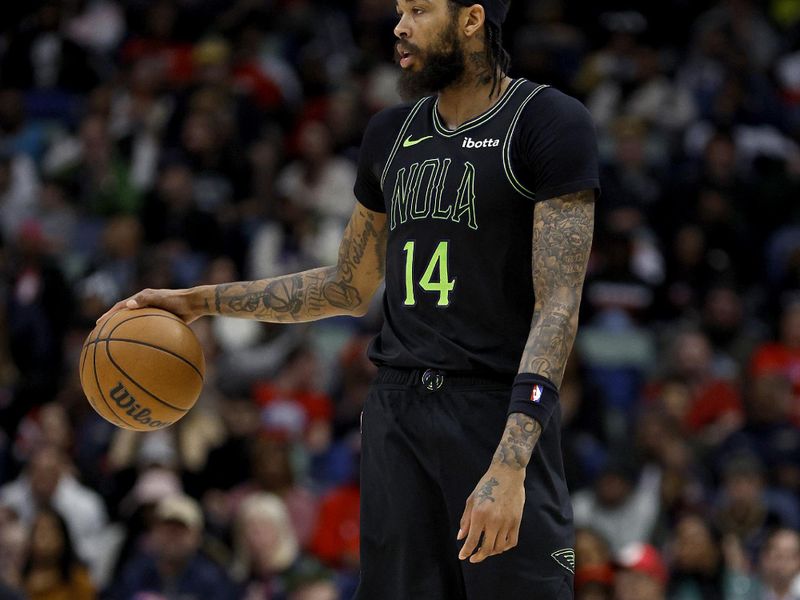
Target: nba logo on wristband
(536,393)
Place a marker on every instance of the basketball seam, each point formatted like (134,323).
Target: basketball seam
(149,345)
(177,320)
(173,318)
(139,385)
(124,422)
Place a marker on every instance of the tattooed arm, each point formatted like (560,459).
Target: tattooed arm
(562,238)
(342,289)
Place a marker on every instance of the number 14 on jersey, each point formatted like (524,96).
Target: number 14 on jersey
(436,265)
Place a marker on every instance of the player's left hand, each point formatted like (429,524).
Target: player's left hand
(493,514)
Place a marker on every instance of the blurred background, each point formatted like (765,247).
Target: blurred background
(168,143)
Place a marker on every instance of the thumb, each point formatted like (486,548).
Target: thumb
(465,520)
(132,303)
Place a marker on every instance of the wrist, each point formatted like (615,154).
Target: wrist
(507,471)
(200,300)
(534,396)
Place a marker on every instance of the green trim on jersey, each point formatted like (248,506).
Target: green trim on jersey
(399,141)
(480,119)
(516,183)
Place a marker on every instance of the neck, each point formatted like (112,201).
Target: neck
(469,98)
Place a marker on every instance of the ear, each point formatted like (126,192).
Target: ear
(473,18)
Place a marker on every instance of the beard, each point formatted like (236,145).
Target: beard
(441,66)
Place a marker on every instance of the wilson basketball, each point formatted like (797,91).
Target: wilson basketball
(142,369)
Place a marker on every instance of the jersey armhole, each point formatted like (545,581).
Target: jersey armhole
(507,166)
(399,138)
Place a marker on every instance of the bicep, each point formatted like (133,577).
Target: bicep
(562,240)
(362,252)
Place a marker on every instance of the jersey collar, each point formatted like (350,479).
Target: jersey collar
(476,121)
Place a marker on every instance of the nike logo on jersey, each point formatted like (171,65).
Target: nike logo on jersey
(487,143)
(408,142)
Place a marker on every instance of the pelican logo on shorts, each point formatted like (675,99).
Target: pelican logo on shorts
(122,398)
(536,394)
(433,380)
(566,558)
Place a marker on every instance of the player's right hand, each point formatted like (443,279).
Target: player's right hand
(181,303)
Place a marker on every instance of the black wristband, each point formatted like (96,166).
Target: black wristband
(535,396)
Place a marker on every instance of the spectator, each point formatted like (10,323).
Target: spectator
(291,402)
(711,405)
(52,570)
(38,305)
(746,508)
(641,574)
(783,355)
(42,57)
(309,580)
(336,539)
(732,336)
(92,166)
(48,482)
(779,566)
(622,505)
(591,548)
(768,432)
(13,550)
(18,193)
(274,471)
(170,216)
(173,563)
(698,570)
(321,183)
(594,583)
(266,547)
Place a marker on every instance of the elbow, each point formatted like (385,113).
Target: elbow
(360,311)
(365,296)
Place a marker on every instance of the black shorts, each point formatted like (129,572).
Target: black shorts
(423,452)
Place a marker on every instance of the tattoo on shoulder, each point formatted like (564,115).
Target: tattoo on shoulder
(521,434)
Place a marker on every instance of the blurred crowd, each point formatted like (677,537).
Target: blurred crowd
(168,143)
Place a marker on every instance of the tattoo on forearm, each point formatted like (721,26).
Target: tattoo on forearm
(562,240)
(311,294)
(485,491)
(519,438)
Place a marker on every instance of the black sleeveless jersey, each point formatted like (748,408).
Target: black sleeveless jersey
(459,204)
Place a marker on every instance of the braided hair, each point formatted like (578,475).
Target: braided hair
(497,58)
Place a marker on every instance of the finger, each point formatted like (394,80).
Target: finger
(465,519)
(118,306)
(487,548)
(513,535)
(473,541)
(504,540)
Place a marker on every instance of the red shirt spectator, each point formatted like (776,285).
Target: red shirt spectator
(336,539)
(783,356)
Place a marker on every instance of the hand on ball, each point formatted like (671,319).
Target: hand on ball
(181,303)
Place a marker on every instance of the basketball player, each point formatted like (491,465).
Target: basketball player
(476,205)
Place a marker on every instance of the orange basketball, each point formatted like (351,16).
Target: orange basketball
(142,369)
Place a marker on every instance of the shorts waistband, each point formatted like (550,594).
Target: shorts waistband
(435,379)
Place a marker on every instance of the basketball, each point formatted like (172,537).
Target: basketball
(142,369)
